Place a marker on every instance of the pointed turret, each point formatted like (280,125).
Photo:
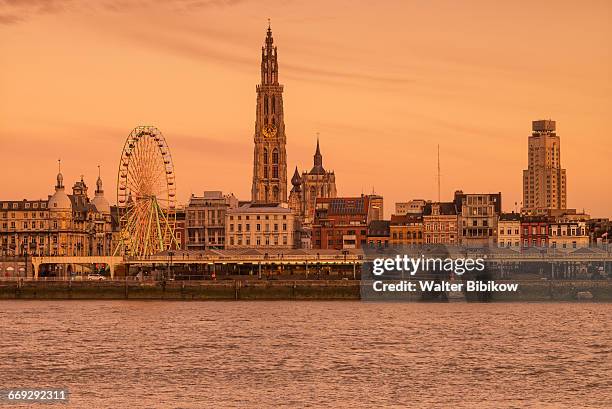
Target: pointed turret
(99,200)
(59,200)
(318,169)
(296,181)
(60,177)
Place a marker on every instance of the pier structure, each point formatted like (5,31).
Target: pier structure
(307,261)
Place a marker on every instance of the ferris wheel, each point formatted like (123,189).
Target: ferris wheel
(146,194)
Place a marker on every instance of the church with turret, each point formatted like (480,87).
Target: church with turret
(269,185)
(311,185)
(270,155)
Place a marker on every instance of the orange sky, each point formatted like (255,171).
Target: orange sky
(383,83)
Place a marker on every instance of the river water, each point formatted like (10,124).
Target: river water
(149,354)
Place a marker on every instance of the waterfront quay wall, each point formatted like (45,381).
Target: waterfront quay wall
(534,290)
(182,290)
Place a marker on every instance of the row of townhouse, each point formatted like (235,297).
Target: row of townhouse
(476,220)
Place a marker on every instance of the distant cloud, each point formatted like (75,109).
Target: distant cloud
(17,11)
(7,19)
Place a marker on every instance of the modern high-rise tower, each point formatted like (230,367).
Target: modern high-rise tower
(270,156)
(544,181)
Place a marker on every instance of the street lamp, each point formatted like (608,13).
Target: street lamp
(25,255)
(170,253)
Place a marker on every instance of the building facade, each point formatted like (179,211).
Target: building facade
(259,226)
(440,223)
(544,181)
(534,231)
(376,209)
(478,218)
(62,225)
(340,223)
(509,230)
(270,156)
(412,207)
(568,235)
(205,220)
(406,230)
(379,234)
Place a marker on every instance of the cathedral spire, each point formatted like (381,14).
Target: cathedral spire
(269,61)
(270,156)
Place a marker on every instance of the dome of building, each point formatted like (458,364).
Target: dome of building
(101,204)
(59,200)
(99,200)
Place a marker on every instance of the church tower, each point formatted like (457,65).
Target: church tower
(270,156)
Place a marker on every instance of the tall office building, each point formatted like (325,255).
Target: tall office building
(544,181)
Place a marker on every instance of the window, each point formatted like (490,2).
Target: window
(258,227)
(265,156)
(275,156)
(284,226)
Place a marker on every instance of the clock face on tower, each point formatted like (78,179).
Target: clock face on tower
(269,131)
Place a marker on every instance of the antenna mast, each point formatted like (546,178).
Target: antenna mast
(438,173)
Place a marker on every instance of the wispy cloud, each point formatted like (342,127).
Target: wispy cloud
(17,11)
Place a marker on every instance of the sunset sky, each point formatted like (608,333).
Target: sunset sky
(382,82)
